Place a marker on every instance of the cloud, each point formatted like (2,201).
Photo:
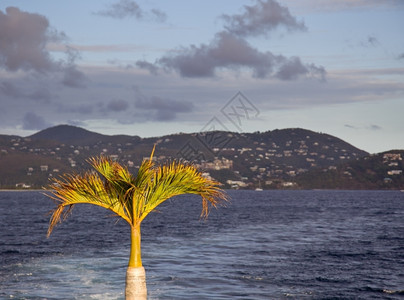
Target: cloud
(155,108)
(153,69)
(231,52)
(32,121)
(158,15)
(261,18)
(130,9)
(74,78)
(83,108)
(24,37)
(117,105)
(371,41)
(11,90)
(344,5)
(374,127)
(292,68)
(71,76)
(401,56)
(55,47)
(122,9)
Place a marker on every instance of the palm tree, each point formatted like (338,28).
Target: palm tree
(132,198)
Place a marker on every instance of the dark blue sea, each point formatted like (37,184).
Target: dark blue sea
(262,245)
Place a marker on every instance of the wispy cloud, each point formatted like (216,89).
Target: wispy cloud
(343,5)
(40,94)
(117,105)
(156,108)
(370,41)
(33,121)
(372,127)
(131,9)
(260,19)
(57,47)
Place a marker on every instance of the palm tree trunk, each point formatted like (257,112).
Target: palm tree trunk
(135,259)
(135,274)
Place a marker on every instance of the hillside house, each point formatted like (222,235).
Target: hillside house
(387,157)
(217,164)
(395,172)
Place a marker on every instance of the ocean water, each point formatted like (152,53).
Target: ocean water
(262,245)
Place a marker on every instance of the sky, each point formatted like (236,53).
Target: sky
(152,68)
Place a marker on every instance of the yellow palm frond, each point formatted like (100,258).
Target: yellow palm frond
(119,183)
(75,189)
(177,178)
(130,197)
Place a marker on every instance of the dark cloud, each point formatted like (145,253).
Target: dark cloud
(78,109)
(130,9)
(261,18)
(74,78)
(229,51)
(401,56)
(153,69)
(350,126)
(225,51)
(23,38)
(291,68)
(117,105)
(160,109)
(11,90)
(32,121)
(42,94)
(82,109)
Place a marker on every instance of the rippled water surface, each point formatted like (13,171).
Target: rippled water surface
(263,245)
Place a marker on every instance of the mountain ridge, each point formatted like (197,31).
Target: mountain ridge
(281,158)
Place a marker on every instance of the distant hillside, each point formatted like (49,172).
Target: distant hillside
(66,134)
(285,158)
(378,171)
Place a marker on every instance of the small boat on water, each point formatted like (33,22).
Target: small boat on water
(259,187)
